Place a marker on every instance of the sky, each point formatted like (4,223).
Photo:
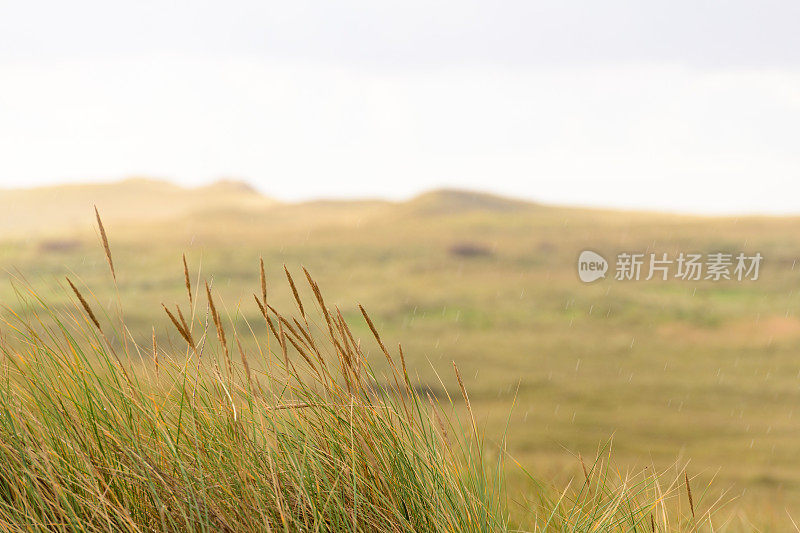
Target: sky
(688,106)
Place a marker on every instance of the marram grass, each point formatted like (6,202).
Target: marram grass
(99,432)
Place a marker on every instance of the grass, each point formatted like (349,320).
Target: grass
(278,423)
(700,373)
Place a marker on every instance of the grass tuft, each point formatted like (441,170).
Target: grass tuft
(303,436)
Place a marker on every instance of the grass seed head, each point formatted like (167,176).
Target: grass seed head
(85,305)
(106,247)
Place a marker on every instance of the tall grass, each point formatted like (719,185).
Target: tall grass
(101,432)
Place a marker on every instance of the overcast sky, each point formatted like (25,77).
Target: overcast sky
(676,105)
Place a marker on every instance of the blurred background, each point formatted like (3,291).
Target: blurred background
(444,163)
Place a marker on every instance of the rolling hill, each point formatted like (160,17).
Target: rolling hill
(66,207)
(56,209)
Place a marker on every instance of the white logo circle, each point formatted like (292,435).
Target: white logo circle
(591,266)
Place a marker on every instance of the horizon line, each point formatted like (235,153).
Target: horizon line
(254,187)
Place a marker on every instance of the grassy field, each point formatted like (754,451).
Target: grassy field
(678,371)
